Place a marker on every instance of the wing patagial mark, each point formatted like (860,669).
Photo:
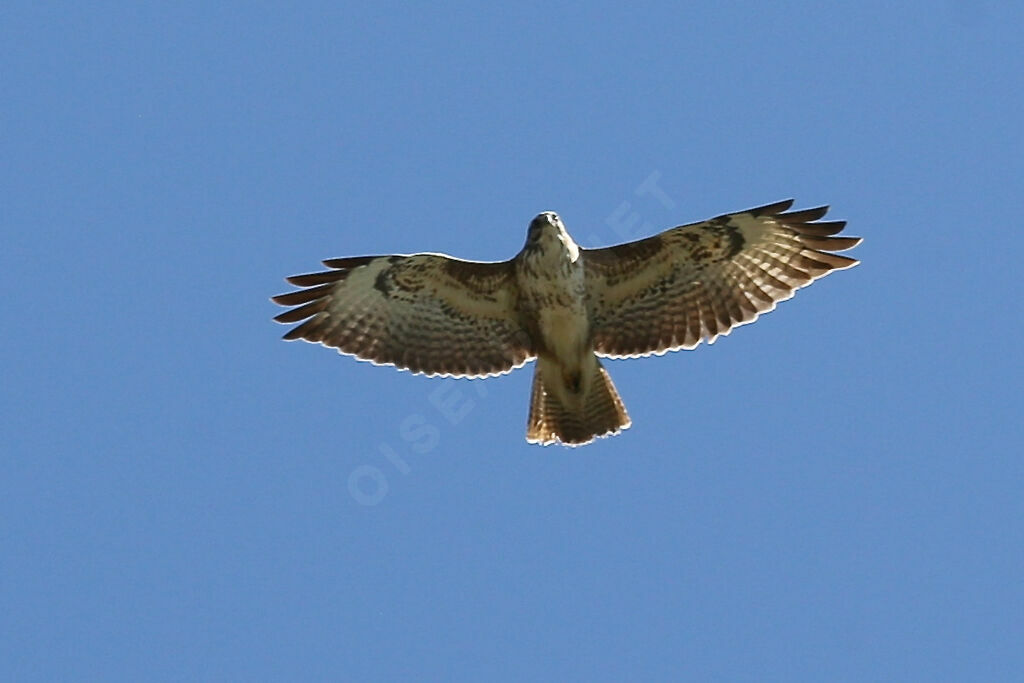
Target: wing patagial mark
(382,283)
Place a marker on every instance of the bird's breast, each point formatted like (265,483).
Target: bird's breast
(553,295)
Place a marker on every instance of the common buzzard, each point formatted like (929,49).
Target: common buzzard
(566,306)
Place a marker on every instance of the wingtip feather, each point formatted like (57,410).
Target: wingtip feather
(348,262)
(771,209)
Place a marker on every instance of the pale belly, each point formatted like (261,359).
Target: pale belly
(565,332)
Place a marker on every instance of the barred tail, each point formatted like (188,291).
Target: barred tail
(599,412)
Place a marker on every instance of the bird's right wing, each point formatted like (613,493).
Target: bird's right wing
(427,313)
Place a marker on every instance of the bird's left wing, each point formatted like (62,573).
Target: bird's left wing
(698,281)
(427,313)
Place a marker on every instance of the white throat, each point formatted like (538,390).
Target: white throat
(570,246)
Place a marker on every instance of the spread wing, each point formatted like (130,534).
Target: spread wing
(698,281)
(427,313)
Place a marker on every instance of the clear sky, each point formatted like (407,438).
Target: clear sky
(833,493)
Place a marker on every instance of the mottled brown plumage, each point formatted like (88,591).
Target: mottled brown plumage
(566,306)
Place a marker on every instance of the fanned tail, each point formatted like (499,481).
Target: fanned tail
(599,413)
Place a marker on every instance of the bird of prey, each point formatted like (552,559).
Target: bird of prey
(566,306)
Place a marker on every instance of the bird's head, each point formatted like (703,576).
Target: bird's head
(547,230)
(546,220)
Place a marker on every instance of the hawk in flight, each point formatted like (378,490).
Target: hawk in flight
(566,306)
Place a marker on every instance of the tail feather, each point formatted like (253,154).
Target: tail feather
(599,413)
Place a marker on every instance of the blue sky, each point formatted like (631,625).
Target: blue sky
(833,493)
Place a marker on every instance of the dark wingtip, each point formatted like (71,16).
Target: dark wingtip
(348,261)
(282,299)
(829,243)
(818,229)
(307,330)
(804,215)
(311,279)
(771,209)
(303,296)
(302,312)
